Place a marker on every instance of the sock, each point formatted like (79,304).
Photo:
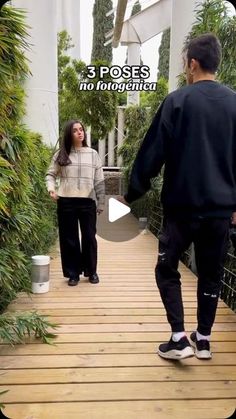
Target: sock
(176,336)
(202,337)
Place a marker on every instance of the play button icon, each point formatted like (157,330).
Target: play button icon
(117,223)
(116,210)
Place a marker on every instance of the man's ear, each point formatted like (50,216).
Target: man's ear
(194,65)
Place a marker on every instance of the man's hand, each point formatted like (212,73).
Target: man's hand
(121,199)
(99,211)
(53,195)
(233,218)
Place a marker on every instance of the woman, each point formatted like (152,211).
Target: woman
(80,196)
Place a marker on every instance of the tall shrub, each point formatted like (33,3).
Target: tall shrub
(27,216)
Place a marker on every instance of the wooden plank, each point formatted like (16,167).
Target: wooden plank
(129,337)
(115,391)
(97,298)
(92,304)
(101,294)
(95,348)
(84,290)
(114,374)
(129,319)
(122,311)
(154,337)
(136,327)
(104,360)
(177,409)
(95,304)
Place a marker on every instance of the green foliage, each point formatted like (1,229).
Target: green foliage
(145,98)
(135,125)
(154,99)
(213,16)
(95,108)
(13,67)
(64,43)
(122,98)
(100,107)
(27,218)
(164,55)
(157,97)
(137,122)
(27,215)
(136,8)
(17,327)
(101,26)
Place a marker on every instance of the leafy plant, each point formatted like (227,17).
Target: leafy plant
(164,55)
(213,16)
(137,121)
(95,108)
(16,328)
(101,26)
(27,215)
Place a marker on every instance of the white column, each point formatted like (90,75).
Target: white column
(182,21)
(68,18)
(120,132)
(42,86)
(102,150)
(111,148)
(88,132)
(133,59)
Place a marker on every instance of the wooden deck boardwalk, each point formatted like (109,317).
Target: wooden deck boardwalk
(104,364)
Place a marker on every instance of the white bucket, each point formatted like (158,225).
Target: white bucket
(41,260)
(40,274)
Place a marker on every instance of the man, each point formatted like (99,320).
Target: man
(194,135)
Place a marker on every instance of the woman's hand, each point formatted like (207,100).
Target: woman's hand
(53,195)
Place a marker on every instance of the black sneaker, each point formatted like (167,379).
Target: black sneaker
(202,347)
(73,281)
(176,350)
(94,279)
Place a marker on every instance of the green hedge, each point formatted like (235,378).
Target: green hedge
(27,215)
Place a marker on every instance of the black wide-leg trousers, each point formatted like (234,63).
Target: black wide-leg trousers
(77,255)
(210,238)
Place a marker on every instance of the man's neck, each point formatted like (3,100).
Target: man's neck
(203,77)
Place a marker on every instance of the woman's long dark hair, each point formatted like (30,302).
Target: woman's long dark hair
(67,142)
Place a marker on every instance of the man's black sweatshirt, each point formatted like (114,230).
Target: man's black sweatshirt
(194,135)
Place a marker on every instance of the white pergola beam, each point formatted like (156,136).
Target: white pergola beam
(120,14)
(147,23)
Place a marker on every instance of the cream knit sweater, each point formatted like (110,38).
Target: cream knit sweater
(82,178)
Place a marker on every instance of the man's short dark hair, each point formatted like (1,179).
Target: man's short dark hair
(206,49)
